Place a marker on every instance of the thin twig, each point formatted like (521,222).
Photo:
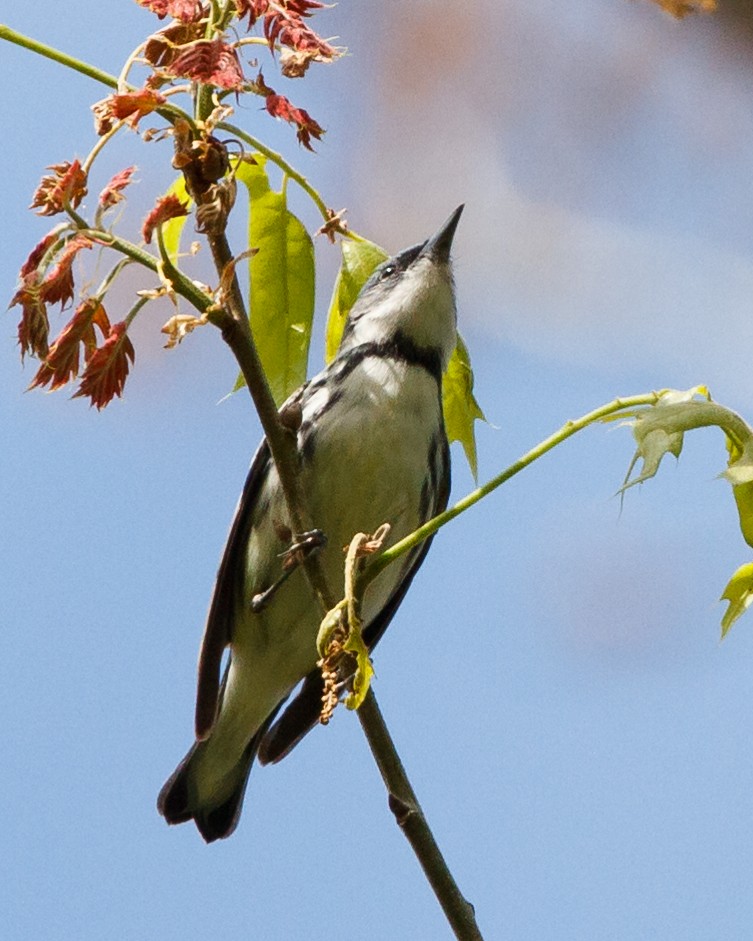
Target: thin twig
(409,816)
(437,522)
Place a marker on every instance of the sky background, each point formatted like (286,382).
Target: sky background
(578,736)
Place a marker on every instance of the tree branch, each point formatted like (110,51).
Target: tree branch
(410,818)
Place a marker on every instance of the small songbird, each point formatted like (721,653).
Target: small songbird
(373,450)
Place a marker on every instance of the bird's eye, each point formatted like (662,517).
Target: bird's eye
(388,270)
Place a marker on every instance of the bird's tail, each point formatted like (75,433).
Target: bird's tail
(215,810)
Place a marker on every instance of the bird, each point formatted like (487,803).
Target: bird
(373,450)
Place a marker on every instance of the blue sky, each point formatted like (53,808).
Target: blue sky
(578,736)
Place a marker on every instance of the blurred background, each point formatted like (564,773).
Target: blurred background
(578,736)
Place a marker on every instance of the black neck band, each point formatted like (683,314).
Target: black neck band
(398,347)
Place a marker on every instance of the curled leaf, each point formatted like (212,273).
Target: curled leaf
(113,192)
(167,207)
(280,107)
(740,474)
(129,107)
(739,594)
(461,410)
(179,326)
(659,429)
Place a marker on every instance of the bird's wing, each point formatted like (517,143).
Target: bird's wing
(219,628)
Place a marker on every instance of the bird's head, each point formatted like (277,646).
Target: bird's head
(411,296)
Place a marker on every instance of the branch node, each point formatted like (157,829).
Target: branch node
(401,810)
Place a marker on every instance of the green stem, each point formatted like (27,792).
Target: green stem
(131,315)
(168,112)
(10,35)
(281,162)
(567,431)
(695,414)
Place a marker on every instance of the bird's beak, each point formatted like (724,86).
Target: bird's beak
(439,245)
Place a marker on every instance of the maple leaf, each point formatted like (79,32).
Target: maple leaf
(61,364)
(107,368)
(129,107)
(113,192)
(66,184)
(166,207)
(187,11)
(211,61)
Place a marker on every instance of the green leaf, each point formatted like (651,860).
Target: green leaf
(359,258)
(660,430)
(173,228)
(739,593)
(281,276)
(461,410)
(740,474)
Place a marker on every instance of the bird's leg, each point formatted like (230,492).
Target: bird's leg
(293,557)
